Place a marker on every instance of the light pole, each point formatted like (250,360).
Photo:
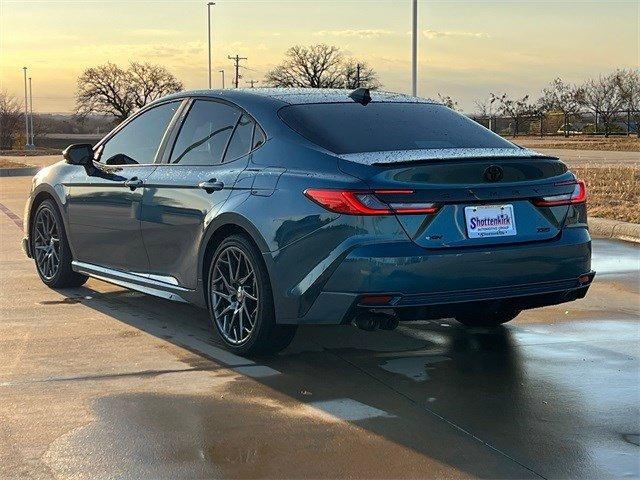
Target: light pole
(414,51)
(222,72)
(31,115)
(209,5)
(26,109)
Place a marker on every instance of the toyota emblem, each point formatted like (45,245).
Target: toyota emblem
(493,173)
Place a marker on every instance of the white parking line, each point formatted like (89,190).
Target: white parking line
(349,409)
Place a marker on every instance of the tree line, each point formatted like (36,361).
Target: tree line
(117,92)
(606,97)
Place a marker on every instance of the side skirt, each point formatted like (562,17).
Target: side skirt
(150,284)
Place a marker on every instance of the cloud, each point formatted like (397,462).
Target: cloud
(365,33)
(431,34)
(154,32)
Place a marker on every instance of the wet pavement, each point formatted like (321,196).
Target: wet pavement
(101,382)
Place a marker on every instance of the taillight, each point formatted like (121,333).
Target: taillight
(367,202)
(578,195)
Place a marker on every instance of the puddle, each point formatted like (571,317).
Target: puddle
(414,368)
(615,257)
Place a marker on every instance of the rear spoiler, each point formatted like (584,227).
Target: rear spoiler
(406,156)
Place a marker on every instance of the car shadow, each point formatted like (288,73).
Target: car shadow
(463,397)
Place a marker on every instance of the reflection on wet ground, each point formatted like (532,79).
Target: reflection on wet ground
(619,259)
(556,400)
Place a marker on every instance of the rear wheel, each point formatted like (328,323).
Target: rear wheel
(51,249)
(487,318)
(241,301)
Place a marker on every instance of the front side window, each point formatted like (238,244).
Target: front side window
(138,142)
(381,127)
(240,143)
(205,133)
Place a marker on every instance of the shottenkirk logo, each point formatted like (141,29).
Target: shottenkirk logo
(493,173)
(500,221)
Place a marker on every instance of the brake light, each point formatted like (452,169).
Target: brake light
(367,202)
(578,195)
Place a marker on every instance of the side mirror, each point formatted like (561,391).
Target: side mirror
(78,154)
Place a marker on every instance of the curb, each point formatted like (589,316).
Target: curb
(19,172)
(606,228)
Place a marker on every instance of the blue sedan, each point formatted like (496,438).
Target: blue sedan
(275,208)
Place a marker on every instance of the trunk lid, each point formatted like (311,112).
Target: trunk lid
(459,181)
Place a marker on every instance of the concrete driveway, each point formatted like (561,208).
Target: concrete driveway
(101,382)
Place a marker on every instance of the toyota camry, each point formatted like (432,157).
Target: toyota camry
(275,208)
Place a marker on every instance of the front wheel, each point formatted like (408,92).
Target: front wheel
(487,318)
(51,250)
(241,301)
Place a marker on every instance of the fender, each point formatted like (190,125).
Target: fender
(58,195)
(224,220)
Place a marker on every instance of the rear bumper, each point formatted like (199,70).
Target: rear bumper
(440,282)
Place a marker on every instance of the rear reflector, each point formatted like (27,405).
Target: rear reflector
(376,300)
(578,195)
(365,202)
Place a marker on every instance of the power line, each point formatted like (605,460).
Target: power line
(236,61)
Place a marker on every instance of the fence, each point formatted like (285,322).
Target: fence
(625,123)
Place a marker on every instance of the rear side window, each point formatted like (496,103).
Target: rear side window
(258,137)
(240,143)
(380,127)
(205,133)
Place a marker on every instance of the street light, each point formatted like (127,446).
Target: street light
(414,51)
(26,109)
(32,145)
(222,72)
(209,5)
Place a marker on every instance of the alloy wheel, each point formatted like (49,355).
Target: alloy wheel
(47,244)
(234,295)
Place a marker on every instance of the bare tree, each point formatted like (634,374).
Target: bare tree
(629,85)
(320,66)
(111,90)
(447,101)
(561,97)
(11,120)
(359,74)
(514,108)
(485,109)
(604,98)
(150,82)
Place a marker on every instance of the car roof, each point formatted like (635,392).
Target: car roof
(295,96)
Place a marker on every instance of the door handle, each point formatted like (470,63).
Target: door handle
(133,183)
(211,186)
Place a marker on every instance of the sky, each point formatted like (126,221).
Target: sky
(466,49)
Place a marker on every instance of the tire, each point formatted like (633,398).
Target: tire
(50,248)
(236,298)
(487,318)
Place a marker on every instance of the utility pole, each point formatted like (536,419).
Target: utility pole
(26,110)
(414,51)
(357,75)
(252,83)
(32,145)
(222,72)
(209,5)
(236,61)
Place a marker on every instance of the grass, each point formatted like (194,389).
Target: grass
(582,142)
(4,163)
(613,191)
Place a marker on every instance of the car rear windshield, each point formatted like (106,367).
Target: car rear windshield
(381,127)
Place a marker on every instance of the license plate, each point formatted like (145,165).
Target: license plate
(490,221)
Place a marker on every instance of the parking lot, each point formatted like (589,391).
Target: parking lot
(101,382)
